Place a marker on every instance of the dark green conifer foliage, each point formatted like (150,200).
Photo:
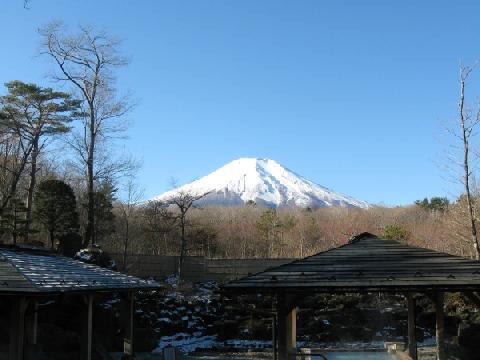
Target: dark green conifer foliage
(103,210)
(37,111)
(32,115)
(434,204)
(395,232)
(56,209)
(12,220)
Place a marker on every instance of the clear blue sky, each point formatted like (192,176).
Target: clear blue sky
(350,94)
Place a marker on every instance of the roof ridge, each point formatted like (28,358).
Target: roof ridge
(361,236)
(367,263)
(352,240)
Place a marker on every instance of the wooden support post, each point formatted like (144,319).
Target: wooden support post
(131,323)
(412,338)
(31,323)
(17,328)
(89,326)
(274,336)
(440,326)
(292,331)
(127,313)
(87,335)
(35,323)
(287,328)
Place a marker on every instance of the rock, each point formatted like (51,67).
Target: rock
(144,341)
(34,352)
(469,341)
(56,339)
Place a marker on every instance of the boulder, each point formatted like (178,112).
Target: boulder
(469,341)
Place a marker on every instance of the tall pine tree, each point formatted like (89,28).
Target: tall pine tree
(34,114)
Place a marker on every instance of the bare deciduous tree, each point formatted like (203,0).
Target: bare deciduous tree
(468,122)
(159,222)
(133,194)
(87,60)
(182,201)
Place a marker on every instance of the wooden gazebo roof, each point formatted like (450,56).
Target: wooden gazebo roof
(37,272)
(367,263)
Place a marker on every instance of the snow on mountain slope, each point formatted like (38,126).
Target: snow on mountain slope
(264,181)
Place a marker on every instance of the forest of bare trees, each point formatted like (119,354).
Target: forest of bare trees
(252,231)
(64,184)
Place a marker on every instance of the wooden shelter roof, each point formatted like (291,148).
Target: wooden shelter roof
(367,263)
(27,271)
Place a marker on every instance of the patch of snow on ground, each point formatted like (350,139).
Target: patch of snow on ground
(186,342)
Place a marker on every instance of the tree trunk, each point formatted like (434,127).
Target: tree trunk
(16,178)
(31,189)
(14,232)
(465,133)
(51,234)
(125,243)
(183,245)
(90,231)
(165,242)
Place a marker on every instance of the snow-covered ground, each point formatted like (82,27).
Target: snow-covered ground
(264,181)
(196,318)
(187,343)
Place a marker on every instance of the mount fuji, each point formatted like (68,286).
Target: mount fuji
(265,182)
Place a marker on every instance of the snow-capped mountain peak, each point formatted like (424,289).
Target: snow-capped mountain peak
(264,181)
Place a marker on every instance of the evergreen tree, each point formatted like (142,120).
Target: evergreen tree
(12,220)
(56,209)
(434,204)
(104,217)
(395,232)
(33,114)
